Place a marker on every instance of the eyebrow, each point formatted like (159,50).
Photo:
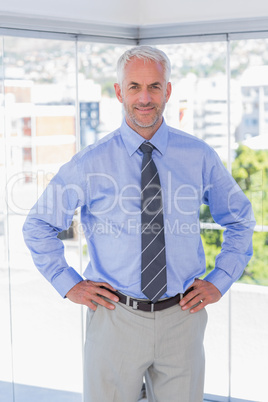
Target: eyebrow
(133,83)
(156,83)
(153,83)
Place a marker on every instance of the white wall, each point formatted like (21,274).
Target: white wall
(140,12)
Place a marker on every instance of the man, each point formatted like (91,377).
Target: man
(140,190)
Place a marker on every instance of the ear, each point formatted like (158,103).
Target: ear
(118,92)
(168,91)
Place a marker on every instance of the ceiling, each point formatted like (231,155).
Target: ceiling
(138,13)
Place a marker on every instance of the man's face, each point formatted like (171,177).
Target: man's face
(144,94)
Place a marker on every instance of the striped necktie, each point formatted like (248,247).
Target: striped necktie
(153,259)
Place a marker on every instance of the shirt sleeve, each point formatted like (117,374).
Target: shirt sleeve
(53,213)
(231,209)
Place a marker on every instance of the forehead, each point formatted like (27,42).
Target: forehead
(139,70)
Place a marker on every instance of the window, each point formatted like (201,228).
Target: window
(250,169)
(40,135)
(5,333)
(56,97)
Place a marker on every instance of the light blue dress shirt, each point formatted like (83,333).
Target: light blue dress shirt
(104,180)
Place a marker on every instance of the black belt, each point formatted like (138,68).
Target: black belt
(147,305)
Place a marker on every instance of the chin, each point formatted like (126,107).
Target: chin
(146,124)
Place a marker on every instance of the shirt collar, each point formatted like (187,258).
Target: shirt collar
(133,140)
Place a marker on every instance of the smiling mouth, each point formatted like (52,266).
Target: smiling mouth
(144,109)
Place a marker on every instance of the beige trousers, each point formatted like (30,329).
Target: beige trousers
(124,345)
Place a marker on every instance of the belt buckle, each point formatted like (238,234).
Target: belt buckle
(135,305)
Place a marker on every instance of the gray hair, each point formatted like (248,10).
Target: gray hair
(145,53)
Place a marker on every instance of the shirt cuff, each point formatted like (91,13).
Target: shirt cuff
(66,280)
(220,279)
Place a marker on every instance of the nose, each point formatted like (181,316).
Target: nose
(145,96)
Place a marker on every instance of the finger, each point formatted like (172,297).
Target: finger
(100,288)
(96,293)
(92,302)
(105,293)
(100,300)
(91,305)
(106,285)
(198,307)
(192,303)
(189,296)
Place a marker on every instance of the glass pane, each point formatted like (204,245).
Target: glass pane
(198,104)
(249,62)
(40,79)
(249,357)
(217,351)
(217,332)
(100,111)
(249,73)
(6,388)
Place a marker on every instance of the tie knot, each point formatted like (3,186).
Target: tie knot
(147,148)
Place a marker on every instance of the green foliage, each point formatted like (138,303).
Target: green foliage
(108,88)
(257,270)
(250,170)
(212,240)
